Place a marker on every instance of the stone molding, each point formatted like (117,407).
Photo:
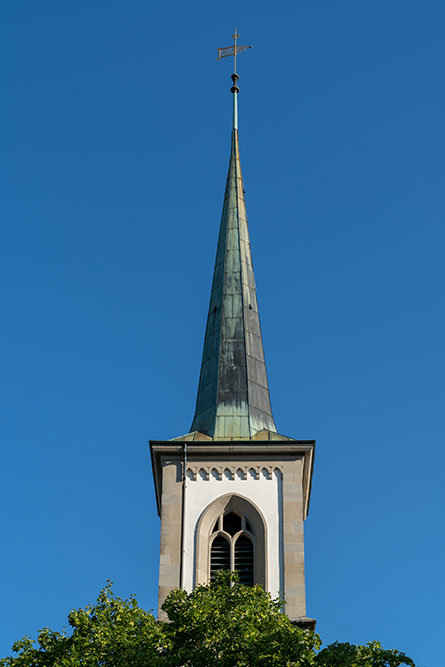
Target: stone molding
(205,473)
(238,453)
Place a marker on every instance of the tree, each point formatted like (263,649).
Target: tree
(224,624)
(229,625)
(370,655)
(112,632)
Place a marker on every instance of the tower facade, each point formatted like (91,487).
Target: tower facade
(233,493)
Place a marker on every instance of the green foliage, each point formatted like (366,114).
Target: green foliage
(370,655)
(112,632)
(225,624)
(229,624)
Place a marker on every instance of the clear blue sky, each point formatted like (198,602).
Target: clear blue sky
(115,123)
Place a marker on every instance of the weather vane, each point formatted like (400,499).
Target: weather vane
(232,50)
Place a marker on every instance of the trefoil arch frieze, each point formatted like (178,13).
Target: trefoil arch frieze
(232,473)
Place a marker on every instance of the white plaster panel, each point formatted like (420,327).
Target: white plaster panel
(264,493)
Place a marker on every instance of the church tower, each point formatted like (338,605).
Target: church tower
(234,493)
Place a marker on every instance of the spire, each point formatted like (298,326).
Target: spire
(233,394)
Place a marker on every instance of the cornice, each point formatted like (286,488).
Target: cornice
(219,451)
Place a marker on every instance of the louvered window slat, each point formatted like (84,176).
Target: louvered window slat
(244,560)
(219,556)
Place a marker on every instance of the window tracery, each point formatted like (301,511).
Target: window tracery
(211,525)
(232,546)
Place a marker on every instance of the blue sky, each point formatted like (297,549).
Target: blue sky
(115,126)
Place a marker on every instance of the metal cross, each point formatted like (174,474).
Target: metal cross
(232,50)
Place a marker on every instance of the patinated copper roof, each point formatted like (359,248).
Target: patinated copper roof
(233,394)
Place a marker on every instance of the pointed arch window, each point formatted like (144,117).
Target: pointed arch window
(232,547)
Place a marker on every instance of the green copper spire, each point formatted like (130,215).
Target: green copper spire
(233,394)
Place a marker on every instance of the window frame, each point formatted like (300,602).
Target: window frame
(204,537)
(232,540)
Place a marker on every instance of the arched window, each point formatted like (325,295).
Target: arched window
(232,547)
(231,534)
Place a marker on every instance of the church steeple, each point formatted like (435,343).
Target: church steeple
(233,394)
(234,493)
